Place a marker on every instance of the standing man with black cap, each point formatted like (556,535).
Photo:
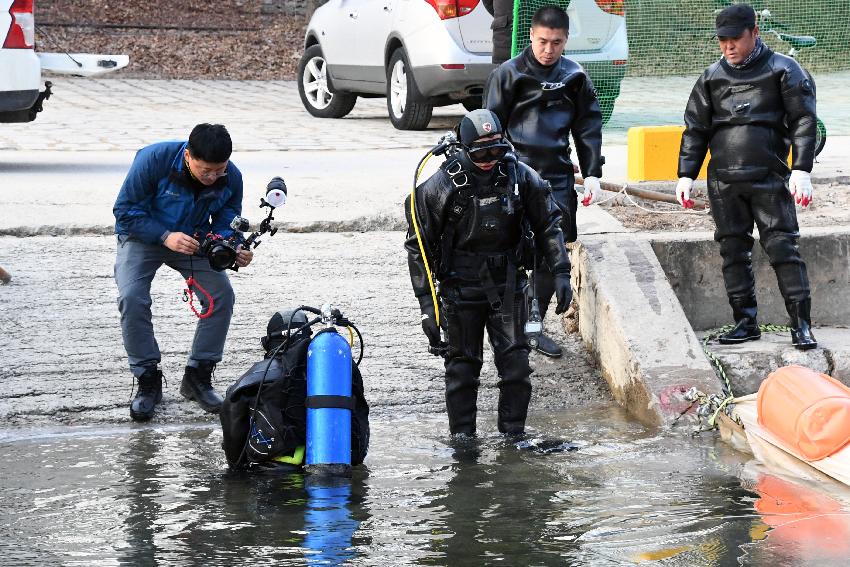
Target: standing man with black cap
(542,97)
(749,109)
(466,223)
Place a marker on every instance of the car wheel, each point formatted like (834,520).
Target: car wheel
(407,112)
(472,103)
(317,96)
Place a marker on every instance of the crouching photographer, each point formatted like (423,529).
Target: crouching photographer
(175,191)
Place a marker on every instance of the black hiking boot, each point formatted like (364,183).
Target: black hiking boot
(148,395)
(548,347)
(197,385)
(801,324)
(746,327)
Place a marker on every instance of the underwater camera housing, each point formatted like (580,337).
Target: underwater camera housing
(221,251)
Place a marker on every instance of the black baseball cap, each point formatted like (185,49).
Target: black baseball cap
(734,19)
(478,124)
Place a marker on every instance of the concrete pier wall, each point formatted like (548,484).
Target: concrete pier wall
(693,266)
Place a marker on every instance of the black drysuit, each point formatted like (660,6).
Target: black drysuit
(539,108)
(481,285)
(749,118)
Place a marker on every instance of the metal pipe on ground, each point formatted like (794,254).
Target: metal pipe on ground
(645,193)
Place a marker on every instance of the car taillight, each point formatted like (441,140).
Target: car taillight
(616,7)
(22,31)
(447,9)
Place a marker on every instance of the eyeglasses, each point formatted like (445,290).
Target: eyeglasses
(488,153)
(212,174)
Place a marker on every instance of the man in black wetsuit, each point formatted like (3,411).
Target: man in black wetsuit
(466,225)
(541,98)
(749,109)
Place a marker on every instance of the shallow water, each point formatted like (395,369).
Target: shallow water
(623,496)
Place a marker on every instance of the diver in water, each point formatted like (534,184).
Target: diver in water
(471,222)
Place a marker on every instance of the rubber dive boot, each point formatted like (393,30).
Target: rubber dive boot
(462,409)
(148,395)
(548,347)
(513,409)
(197,385)
(801,324)
(746,326)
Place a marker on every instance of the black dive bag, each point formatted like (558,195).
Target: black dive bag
(258,428)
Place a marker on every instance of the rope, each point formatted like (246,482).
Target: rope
(711,406)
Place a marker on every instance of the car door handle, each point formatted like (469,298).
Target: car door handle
(352,15)
(387,9)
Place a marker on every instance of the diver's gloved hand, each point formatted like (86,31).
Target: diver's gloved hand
(563,291)
(800,186)
(429,321)
(592,191)
(683,192)
(431,330)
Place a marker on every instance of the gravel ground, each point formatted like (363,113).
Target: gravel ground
(63,361)
(194,39)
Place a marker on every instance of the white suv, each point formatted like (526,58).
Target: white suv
(21,96)
(426,53)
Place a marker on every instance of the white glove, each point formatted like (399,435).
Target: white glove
(683,192)
(800,186)
(592,191)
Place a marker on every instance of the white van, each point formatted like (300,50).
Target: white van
(21,93)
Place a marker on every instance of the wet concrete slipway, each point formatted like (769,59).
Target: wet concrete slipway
(80,484)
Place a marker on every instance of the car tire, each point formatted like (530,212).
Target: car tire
(407,111)
(472,103)
(315,90)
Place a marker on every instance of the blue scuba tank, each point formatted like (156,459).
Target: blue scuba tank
(329,404)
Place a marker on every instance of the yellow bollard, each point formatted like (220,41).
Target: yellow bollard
(653,153)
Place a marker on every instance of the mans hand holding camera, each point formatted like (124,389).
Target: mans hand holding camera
(243,257)
(181,242)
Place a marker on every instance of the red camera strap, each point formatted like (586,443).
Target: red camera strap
(189,295)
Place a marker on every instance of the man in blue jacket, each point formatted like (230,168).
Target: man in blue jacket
(175,193)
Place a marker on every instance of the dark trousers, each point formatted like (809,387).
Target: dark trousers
(767,203)
(136,264)
(466,314)
(544,281)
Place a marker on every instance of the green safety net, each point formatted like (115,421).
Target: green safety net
(669,37)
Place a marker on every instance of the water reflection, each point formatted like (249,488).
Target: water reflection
(802,523)
(183,505)
(497,507)
(163,496)
(143,488)
(329,521)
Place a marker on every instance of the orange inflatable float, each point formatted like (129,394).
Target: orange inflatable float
(807,411)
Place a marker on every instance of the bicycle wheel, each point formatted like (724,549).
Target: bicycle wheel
(820,137)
